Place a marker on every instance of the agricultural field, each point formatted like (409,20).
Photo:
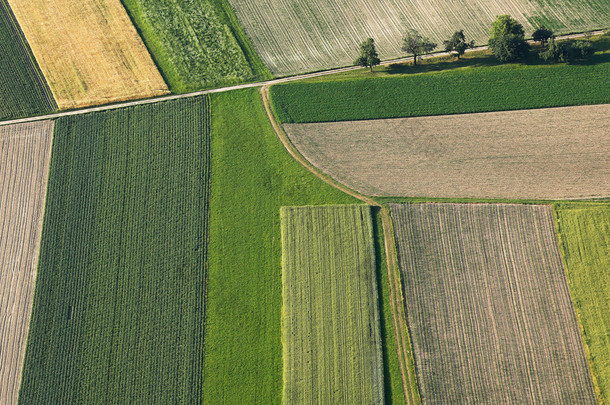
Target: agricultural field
(118,311)
(330,326)
(196,43)
(25,152)
(300,36)
(454,90)
(23,90)
(489,308)
(88,51)
(529,154)
(584,231)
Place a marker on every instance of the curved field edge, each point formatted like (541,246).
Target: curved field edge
(23,89)
(119,301)
(184,68)
(480,86)
(583,234)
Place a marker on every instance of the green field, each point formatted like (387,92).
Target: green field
(585,240)
(196,43)
(23,89)
(479,85)
(119,303)
(330,327)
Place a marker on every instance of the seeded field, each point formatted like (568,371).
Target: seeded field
(88,50)
(197,43)
(558,153)
(119,304)
(330,327)
(25,152)
(585,236)
(488,305)
(298,36)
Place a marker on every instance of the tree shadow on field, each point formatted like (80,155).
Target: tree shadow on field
(378,242)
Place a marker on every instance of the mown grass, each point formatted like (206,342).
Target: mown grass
(253,176)
(476,84)
(197,44)
(118,310)
(584,234)
(23,89)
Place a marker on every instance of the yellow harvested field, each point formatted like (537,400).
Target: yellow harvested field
(88,50)
(25,152)
(552,153)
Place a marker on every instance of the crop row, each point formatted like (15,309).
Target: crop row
(330,327)
(119,304)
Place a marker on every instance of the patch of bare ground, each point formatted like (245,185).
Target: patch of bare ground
(25,152)
(552,153)
(488,305)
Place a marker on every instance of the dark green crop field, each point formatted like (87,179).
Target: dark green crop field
(23,89)
(118,310)
(585,240)
(357,96)
(196,43)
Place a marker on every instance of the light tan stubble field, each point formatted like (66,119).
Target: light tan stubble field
(25,152)
(553,153)
(88,50)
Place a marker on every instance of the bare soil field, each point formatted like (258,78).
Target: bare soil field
(488,305)
(295,36)
(89,51)
(25,152)
(554,153)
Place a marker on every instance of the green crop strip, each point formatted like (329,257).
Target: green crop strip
(584,233)
(331,334)
(23,89)
(119,304)
(197,44)
(480,86)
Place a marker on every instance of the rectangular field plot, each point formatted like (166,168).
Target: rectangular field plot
(330,328)
(553,153)
(585,237)
(488,305)
(119,304)
(294,36)
(25,152)
(23,90)
(88,50)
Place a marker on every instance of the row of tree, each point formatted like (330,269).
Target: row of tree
(507,43)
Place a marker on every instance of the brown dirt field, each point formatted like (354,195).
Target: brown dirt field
(488,305)
(89,51)
(25,152)
(554,153)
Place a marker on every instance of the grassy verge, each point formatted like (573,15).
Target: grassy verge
(475,84)
(118,309)
(584,235)
(253,176)
(23,89)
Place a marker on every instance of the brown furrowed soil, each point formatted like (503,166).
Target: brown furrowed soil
(88,50)
(554,153)
(25,152)
(488,305)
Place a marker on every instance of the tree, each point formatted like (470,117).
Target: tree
(507,40)
(457,43)
(555,52)
(368,54)
(581,49)
(542,35)
(416,45)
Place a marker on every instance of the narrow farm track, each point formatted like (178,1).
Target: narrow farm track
(396,298)
(25,152)
(236,87)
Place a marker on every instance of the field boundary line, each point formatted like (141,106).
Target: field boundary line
(403,343)
(245,85)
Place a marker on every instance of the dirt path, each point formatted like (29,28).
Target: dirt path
(396,299)
(241,86)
